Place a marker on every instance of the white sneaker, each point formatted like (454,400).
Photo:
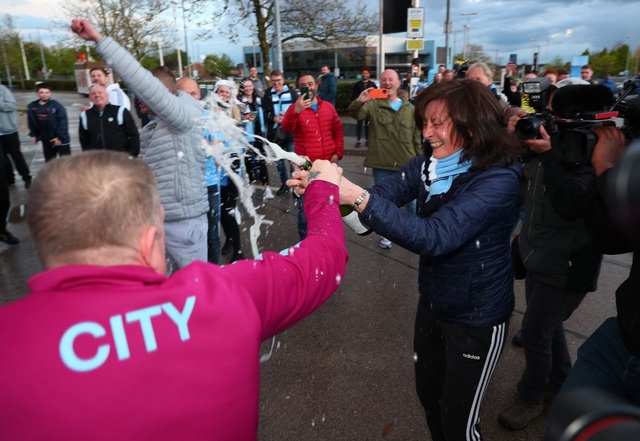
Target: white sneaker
(385,243)
(268,194)
(238,216)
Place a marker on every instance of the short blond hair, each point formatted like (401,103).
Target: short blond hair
(89,201)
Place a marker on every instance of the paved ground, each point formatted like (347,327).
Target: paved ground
(346,372)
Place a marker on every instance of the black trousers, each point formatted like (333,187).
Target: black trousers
(453,367)
(228,201)
(4,193)
(52,151)
(359,124)
(11,145)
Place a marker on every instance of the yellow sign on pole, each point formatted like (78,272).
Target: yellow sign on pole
(415,45)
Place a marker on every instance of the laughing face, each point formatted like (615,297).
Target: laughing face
(439,131)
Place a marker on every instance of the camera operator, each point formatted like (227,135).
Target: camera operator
(609,359)
(561,259)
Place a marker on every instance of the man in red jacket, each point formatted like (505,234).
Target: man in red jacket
(317,131)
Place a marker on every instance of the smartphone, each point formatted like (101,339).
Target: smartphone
(304,91)
(380,94)
(513,58)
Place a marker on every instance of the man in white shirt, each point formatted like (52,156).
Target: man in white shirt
(117,97)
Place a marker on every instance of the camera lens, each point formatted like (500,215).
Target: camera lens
(528,127)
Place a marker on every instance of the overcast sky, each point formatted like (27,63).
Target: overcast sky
(562,28)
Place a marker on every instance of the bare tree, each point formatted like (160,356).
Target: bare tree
(134,24)
(325,23)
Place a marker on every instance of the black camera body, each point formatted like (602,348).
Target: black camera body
(576,141)
(576,109)
(528,127)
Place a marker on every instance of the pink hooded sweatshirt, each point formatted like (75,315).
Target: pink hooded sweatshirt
(122,353)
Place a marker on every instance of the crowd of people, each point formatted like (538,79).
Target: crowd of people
(451,183)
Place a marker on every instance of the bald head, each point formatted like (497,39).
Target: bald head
(390,80)
(190,86)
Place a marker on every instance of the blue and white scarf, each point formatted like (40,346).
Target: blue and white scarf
(443,171)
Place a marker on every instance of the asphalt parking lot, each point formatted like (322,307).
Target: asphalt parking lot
(346,372)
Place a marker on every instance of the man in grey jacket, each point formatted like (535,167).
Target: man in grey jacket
(171,143)
(9,139)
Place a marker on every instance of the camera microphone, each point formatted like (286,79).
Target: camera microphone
(582,101)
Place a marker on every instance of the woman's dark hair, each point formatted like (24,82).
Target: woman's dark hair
(477,120)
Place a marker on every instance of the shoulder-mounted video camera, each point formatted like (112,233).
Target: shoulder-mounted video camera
(577,108)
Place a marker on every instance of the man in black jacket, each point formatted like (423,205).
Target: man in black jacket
(609,360)
(562,260)
(108,127)
(359,87)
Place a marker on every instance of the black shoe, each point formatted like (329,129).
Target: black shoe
(517,338)
(9,238)
(358,144)
(237,255)
(282,190)
(228,247)
(27,182)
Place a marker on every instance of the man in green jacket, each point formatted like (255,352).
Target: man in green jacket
(394,138)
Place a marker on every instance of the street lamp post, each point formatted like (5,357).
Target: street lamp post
(186,46)
(45,72)
(628,56)
(536,54)
(467,28)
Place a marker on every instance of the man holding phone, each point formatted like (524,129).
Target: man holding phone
(394,138)
(317,131)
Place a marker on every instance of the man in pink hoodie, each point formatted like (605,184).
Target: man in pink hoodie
(107,347)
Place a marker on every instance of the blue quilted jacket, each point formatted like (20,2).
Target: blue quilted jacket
(465,274)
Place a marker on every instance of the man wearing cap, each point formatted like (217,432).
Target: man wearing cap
(358,87)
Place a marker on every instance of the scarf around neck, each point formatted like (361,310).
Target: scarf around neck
(443,171)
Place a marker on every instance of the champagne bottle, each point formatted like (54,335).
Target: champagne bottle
(351,220)
(306,165)
(348,213)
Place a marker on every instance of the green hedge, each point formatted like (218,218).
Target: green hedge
(344,96)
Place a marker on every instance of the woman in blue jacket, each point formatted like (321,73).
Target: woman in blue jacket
(466,186)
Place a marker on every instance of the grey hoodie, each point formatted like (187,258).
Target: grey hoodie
(8,111)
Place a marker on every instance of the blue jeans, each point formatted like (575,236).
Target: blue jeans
(213,231)
(284,167)
(380,174)
(605,362)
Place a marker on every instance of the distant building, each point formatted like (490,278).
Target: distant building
(348,58)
